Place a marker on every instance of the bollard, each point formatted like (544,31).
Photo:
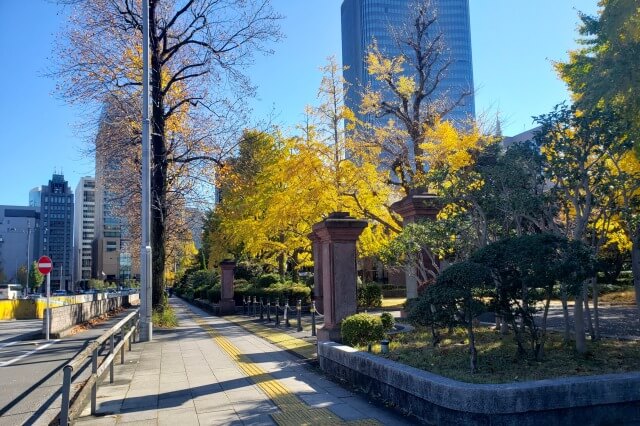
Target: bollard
(94,388)
(384,346)
(286,314)
(66,395)
(268,310)
(277,312)
(261,310)
(313,318)
(111,365)
(299,308)
(245,306)
(255,307)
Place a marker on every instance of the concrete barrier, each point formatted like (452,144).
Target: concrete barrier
(63,318)
(605,399)
(17,309)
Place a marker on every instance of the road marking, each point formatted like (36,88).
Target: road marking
(16,359)
(6,345)
(293,411)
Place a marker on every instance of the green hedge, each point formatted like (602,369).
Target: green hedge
(283,291)
(369,295)
(387,321)
(362,329)
(267,280)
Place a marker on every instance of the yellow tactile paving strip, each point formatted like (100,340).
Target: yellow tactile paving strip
(283,340)
(293,410)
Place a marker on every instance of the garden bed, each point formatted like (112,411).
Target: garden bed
(496,357)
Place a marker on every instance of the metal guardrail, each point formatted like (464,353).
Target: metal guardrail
(128,329)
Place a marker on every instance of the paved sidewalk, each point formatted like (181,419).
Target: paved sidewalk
(210,371)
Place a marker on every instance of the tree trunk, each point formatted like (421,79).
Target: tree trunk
(539,353)
(281,265)
(635,266)
(158,166)
(587,310)
(473,353)
(596,308)
(565,314)
(578,318)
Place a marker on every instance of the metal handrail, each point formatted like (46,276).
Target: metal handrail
(70,410)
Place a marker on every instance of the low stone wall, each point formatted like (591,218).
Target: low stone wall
(607,399)
(64,318)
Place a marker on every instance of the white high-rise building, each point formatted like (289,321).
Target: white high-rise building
(84,230)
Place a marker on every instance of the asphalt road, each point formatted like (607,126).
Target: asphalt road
(12,330)
(619,322)
(31,373)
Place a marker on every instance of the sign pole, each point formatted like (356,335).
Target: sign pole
(146,326)
(48,326)
(45,265)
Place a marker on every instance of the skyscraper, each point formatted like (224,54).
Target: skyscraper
(19,237)
(83,233)
(56,236)
(364,21)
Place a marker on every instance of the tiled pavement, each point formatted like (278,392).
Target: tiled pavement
(210,371)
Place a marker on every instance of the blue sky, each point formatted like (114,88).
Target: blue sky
(514,42)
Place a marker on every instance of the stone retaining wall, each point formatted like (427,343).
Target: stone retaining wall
(64,318)
(593,400)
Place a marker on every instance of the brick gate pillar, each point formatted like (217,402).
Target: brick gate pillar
(413,208)
(338,235)
(227,304)
(316,247)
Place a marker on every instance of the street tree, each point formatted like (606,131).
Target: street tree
(22,274)
(605,68)
(406,106)
(198,52)
(577,146)
(35,277)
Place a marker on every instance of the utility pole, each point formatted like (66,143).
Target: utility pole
(26,289)
(146,326)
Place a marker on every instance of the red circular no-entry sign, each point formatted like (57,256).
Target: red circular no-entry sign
(45,264)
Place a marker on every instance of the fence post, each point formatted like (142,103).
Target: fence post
(277,312)
(94,388)
(286,314)
(123,343)
(111,345)
(261,310)
(299,308)
(66,395)
(269,310)
(313,318)
(255,306)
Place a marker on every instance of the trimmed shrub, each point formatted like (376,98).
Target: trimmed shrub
(369,295)
(203,278)
(267,280)
(362,329)
(249,271)
(213,293)
(201,292)
(387,321)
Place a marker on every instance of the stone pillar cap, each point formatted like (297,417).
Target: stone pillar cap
(228,262)
(339,226)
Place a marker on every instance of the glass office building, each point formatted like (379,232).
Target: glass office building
(366,20)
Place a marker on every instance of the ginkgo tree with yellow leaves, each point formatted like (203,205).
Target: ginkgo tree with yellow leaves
(196,48)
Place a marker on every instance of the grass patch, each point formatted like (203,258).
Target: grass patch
(496,357)
(393,302)
(165,319)
(626,297)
